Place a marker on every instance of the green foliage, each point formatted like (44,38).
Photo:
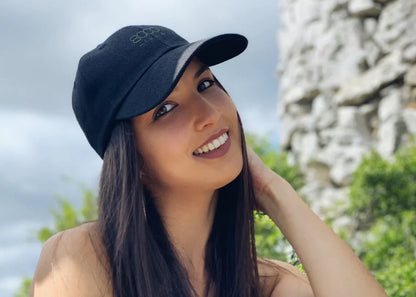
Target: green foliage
(270,242)
(24,288)
(398,236)
(389,252)
(381,187)
(383,200)
(67,216)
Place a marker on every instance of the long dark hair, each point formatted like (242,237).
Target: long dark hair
(142,259)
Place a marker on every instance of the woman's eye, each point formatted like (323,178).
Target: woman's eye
(164,109)
(205,84)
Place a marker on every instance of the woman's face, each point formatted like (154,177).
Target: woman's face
(191,141)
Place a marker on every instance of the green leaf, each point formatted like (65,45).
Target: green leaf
(24,288)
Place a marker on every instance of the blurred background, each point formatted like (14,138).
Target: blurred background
(326,90)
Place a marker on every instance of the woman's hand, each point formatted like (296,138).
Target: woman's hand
(263,179)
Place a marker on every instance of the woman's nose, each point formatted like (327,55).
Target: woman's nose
(206,112)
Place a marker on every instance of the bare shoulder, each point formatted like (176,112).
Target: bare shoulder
(282,279)
(73,263)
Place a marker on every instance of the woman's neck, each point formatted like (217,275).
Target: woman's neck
(188,218)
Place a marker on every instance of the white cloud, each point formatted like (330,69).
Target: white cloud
(9,285)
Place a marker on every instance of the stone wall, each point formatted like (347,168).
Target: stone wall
(347,74)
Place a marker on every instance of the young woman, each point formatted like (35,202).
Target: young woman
(178,186)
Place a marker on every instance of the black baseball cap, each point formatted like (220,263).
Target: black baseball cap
(133,71)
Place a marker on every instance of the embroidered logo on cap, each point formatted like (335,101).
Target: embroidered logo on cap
(143,36)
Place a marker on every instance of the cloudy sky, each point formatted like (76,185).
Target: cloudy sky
(43,152)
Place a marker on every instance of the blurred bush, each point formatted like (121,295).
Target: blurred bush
(67,216)
(383,203)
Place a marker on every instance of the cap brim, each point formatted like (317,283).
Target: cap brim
(162,76)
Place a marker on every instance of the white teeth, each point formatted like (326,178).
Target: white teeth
(216,143)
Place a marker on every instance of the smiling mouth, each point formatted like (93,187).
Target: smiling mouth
(212,146)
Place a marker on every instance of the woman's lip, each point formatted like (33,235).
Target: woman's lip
(212,137)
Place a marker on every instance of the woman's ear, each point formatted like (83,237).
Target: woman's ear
(146,177)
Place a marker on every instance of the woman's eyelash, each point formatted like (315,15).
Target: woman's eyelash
(205,84)
(164,109)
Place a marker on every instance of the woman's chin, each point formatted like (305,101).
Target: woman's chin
(229,179)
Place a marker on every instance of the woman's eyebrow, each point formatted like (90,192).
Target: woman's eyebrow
(200,71)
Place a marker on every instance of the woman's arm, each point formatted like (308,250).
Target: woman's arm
(332,268)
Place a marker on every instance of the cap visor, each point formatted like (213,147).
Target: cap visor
(162,76)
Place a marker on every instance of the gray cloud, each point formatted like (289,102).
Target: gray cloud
(37,155)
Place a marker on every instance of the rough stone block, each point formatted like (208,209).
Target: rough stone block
(409,53)
(322,197)
(323,112)
(288,127)
(391,104)
(350,117)
(305,146)
(341,172)
(342,160)
(300,93)
(298,109)
(409,94)
(409,117)
(343,137)
(364,8)
(370,26)
(318,57)
(397,25)
(369,113)
(410,77)
(363,87)
(339,53)
(368,110)
(317,171)
(389,136)
(372,53)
